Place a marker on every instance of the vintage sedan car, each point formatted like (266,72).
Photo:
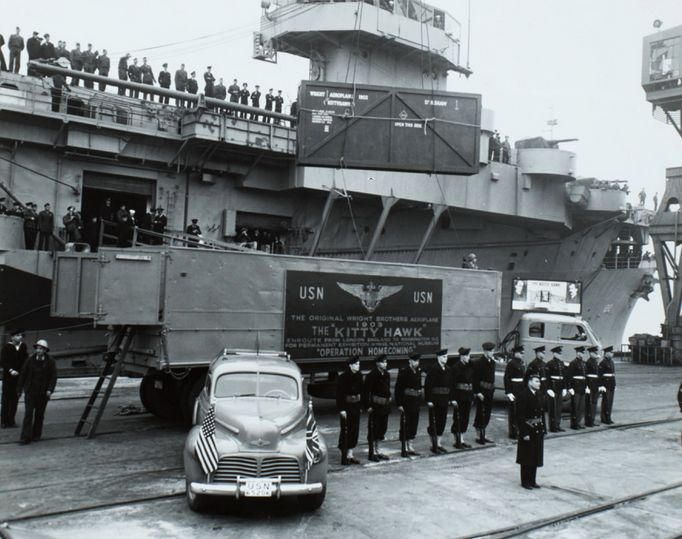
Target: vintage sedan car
(261,427)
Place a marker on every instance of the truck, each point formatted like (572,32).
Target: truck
(178,306)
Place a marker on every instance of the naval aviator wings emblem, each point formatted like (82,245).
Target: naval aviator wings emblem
(370,295)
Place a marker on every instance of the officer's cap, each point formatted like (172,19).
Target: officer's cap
(35,33)
(193,73)
(380,357)
(164,65)
(352,360)
(518,348)
(194,220)
(579,348)
(593,349)
(463,351)
(209,67)
(488,345)
(608,349)
(443,352)
(16,332)
(557,349)
(270,90)
(414,356)
(539,349)
(532,374)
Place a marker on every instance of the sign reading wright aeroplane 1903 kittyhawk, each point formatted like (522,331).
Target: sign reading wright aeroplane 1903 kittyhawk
(337,315)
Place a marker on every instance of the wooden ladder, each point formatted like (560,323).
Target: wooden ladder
(113,363)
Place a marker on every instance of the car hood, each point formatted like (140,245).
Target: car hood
(260,421)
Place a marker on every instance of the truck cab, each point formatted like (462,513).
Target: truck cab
(549,330)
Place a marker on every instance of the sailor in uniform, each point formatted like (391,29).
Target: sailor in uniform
(12,358)
(135,75)
(576,382)
(37,381)
(193,230)
(269,101)
(209,82)
(408,397)
(244,95)
(607,381)
(529,422)
(147,78)
(513,384)
(592,374)
(164,82)
(539,366)
(192,84)
(437,394)
(484,388)
(556,388)
(348,403)
(279,102)
(159,223)
(123,71)
(255,101)
(461,380)
(376,397)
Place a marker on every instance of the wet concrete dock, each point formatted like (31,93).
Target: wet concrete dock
(618,481)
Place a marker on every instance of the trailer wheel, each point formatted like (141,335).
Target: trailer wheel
(160,395)
(189,392)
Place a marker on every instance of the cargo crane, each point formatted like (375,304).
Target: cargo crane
(662,82)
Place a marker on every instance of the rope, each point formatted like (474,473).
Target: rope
(38,173)
(352,215)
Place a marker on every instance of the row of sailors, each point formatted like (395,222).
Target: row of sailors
(457,386)
(90,61)
(584,381)
(467,382)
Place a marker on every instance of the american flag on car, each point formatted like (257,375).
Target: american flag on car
(312,438)
(205,446)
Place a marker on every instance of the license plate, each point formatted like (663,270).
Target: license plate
(258,488)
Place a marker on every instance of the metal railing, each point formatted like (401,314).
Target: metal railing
(141,237)
(411,9)
(624,262)
(35,95)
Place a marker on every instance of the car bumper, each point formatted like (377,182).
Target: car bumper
(236,490)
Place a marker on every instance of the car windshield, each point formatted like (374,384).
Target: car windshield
(251,384)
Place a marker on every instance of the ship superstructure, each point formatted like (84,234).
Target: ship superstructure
(530,217)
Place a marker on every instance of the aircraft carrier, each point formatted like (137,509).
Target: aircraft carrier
(339,180)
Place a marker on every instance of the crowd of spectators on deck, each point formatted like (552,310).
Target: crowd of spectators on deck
(130,69)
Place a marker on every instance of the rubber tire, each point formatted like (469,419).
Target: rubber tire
(198,503)
(189,391)
(163,403)
(312,502)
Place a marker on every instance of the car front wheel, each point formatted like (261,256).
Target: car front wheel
(197,502)
(312,502)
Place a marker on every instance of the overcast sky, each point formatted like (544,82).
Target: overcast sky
(576,61)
